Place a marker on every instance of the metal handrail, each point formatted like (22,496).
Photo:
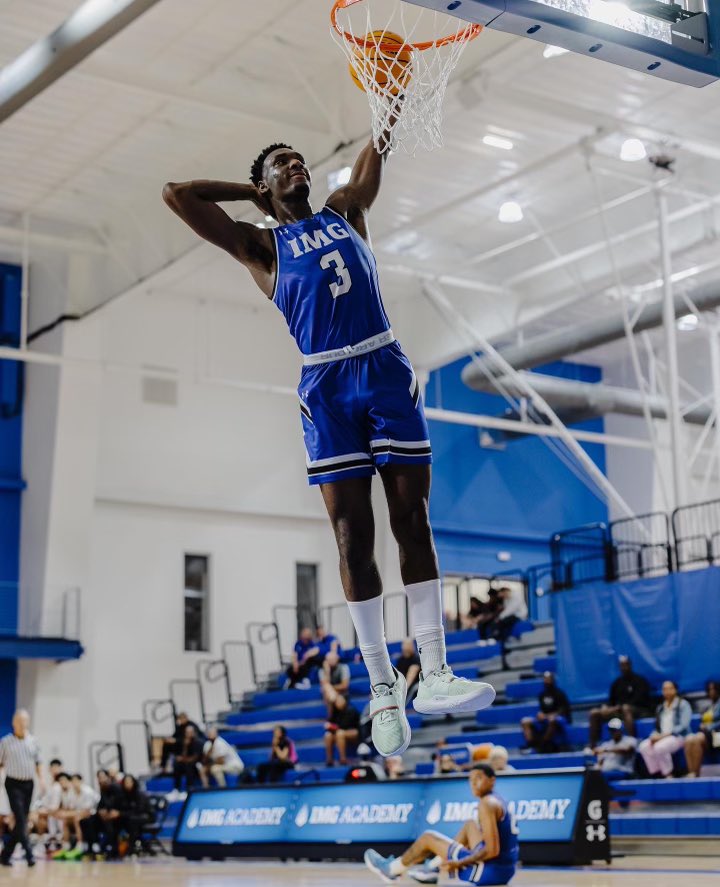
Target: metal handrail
(253,669)
(128,722)
(188,682)
(267,633)
(150,708)
(96,750)
(213,671)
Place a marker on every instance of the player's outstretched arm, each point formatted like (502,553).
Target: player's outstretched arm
(196,204)
(364,186)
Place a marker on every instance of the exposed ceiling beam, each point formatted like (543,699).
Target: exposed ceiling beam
(91,25)
(15,236)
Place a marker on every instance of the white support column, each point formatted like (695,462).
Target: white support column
(25,284)
(673,384)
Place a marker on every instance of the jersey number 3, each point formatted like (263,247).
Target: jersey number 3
(343,283)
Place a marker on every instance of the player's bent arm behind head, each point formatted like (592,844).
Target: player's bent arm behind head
(196,204)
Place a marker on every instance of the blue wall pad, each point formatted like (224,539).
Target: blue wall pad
(668,625)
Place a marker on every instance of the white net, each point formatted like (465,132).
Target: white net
(402,56)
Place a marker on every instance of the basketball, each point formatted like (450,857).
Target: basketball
(378,62)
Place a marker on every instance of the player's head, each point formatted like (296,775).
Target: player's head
(625,665)
(615,726)
(482,780)
(279,172)
(548,679)
(712,688)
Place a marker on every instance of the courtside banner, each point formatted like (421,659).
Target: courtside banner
(543,807)
(559,815)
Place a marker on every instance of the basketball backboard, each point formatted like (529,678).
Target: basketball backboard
(674,41)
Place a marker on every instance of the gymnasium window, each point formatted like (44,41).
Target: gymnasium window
(196,600)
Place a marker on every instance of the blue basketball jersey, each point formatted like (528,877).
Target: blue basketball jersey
(326,283)
(508,834)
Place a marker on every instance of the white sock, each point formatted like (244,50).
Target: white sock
(397,867)
(436,862)
(425,599)
(367,617)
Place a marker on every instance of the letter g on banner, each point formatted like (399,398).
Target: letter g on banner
(594,810)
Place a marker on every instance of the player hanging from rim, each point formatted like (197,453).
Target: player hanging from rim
(359,401)
(485,851)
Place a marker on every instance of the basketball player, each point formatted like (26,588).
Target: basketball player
(359,402)
(484,852)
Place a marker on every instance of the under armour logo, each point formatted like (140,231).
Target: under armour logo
(596,833)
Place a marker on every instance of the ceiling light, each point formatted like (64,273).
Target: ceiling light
(687,323)
(339,177)
(551,52)
(497,142)
(632,150)
(510,212)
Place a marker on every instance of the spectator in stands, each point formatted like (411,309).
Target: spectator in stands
(475,611)
(408,663)
(171,744)
(334,678)
(499,760)
(40,820)
(134,807)
(219,759)
(629,699)
(617,755)
(187,759)
(486,620)
(697,744)
(64,812)
(305,656)
(341,729)
(394,767)
(672,725)
(100,831)
(327,643)
(543,731)
(514,610)
(283,757)
(79,802)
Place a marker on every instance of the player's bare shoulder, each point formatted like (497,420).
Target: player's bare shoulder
(493,805)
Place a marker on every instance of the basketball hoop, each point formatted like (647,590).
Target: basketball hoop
(403,75)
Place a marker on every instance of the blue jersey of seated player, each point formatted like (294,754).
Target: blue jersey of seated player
(501,868)
(359,396)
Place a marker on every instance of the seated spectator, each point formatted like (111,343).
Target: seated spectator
(219,759)
(80,801)
(64,813)
(499,760)
(327,643)
(672,725)
(542,731)
(282,757)
(475,611)
(305,656)
(171,744)
(514,610)
(408,663)
(629,699)
(341,729)
(134,807)
(617,755)
(394,767)
(487,618)
(40,820)
(697,744)
(100,830)
(334,678)
(187,759)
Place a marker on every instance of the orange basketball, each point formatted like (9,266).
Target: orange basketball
(379,63)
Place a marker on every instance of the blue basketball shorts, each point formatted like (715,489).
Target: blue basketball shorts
(360,413)
(482,873)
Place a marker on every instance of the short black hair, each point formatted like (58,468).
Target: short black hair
(486,769)
(256,170)
(56,762)
(77,776)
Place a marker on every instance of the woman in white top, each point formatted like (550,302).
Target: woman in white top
(672,724)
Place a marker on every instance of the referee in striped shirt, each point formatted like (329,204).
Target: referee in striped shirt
(20,757)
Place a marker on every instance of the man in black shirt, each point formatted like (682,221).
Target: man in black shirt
(543,731)
(408,663)
(187,758)
(341,729)
(629,698)
(100,830)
